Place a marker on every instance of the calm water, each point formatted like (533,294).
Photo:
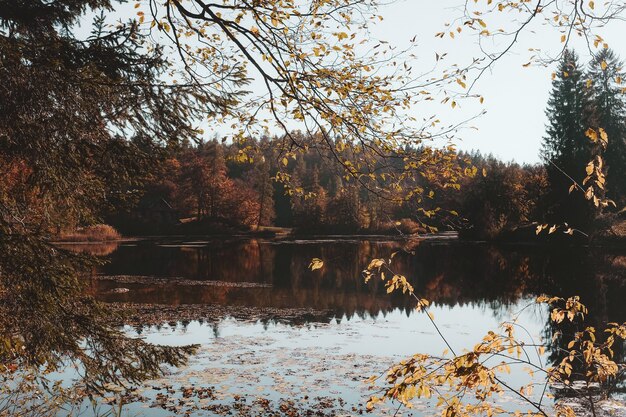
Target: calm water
(349,329)
(267,274)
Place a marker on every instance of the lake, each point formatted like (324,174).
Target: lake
(276,337)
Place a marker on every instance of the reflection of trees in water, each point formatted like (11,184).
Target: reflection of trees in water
(597,277)
(448,274)
(97,249)
(234,261)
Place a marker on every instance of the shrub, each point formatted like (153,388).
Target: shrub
(94,233)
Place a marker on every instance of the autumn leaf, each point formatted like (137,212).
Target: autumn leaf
(603,136)
(316,263)
(591,134)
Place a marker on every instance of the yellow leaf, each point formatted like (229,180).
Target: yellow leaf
(591,134)
(603,136)
(316,263)
(604,65)
(375,263)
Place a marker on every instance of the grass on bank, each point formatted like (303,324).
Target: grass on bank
(94,233)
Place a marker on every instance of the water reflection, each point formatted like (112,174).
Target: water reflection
(474,287)
(269,274)
(92,248)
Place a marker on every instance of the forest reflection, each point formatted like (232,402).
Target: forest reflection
(270,274)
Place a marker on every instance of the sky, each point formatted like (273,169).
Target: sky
(515,96)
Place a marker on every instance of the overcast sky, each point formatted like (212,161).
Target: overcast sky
(515,96)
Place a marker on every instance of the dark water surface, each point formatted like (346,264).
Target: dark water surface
(473,286)
(275,274)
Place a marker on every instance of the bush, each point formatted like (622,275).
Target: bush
(95,233)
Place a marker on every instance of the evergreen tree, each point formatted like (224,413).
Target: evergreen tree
(344,209)
(609,113)
(566,150)
(265,188)
(82,119)
(219,186)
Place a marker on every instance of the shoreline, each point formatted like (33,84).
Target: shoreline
(452,237)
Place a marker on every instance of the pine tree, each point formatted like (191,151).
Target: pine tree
(265,188)
(566,150)
(84,119)
(609,113)
(219,185)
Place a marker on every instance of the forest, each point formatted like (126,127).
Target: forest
(217,187)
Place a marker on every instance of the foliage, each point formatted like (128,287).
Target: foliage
(207,182)
(566,148)
(609,116)
(586,113)
(206,189)
(309,60)
(81,119)
(500,198)
(469,383)
(94,233)
(48,291)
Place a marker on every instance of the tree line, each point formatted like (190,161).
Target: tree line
(219,185)
(583,159)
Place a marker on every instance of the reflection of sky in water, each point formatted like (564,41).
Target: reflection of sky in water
(279,361)
(392,333)
(475,288)
(299,358)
